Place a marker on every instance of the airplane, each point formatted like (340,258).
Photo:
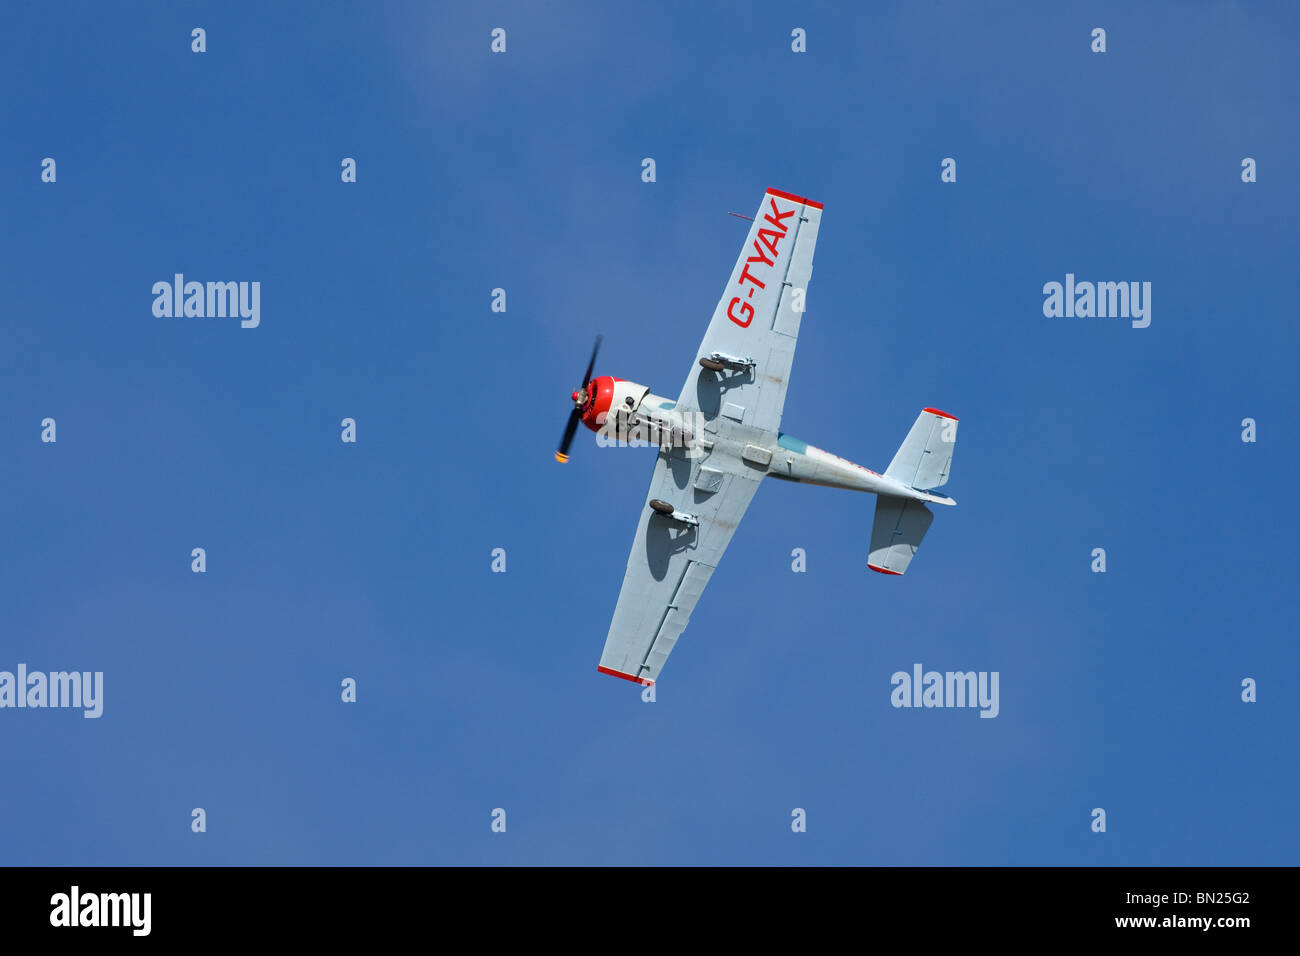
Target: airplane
(722,436)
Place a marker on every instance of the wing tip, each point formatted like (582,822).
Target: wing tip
(791,196)
(613,673)
(884,570)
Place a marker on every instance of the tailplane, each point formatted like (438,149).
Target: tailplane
(921,464)
(900,525)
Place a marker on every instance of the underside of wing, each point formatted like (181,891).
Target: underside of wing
(755,326)
(672,560)
(737,385)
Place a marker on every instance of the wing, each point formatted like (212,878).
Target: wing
(758,316)
(671,562)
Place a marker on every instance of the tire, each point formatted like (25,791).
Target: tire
(662,507)
(713,366)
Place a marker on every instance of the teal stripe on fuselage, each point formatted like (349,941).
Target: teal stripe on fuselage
(790,443)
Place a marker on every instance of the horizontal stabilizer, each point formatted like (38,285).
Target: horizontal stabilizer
(900,525)
(925,457)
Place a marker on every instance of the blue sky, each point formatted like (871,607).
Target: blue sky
(372,560)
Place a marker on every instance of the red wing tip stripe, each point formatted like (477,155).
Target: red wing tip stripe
(935,411)
(794,198)
(882,571)
(614,673)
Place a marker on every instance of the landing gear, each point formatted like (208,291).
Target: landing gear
(721,361)
(668,511)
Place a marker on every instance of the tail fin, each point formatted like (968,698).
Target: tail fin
(924,458)
(900,525)
(922,463)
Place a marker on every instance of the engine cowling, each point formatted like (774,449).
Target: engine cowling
(606,394)
(619,411)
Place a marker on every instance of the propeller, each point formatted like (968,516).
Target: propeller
(575,416)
